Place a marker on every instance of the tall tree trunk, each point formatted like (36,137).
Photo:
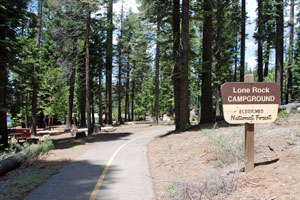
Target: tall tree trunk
(259,42)
(82,96)
(157,57)
(127,114)
(100,96)
(87,70)
(207,115)
(243,39)
(3,120)
(72,86)
(279,47)
(93,108)
(235,61)
(176,59)
(120,70)
(217,51)
(291,53)
(132,96)
(35,69)
(184,82)
(109,55)
(27,99)
(267,58)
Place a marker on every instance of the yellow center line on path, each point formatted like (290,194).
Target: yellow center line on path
(101,178)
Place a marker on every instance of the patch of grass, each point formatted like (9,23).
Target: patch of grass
(293,140)
(170,146)
(298,133)
(217,184)
(205,132)
(171,189)
(229,149)
(25,179)
(283,114)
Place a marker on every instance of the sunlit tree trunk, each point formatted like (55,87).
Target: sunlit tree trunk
(184,82)
(157,57)
(100,96)
(176,60)
(35,81)
(87,71)
(72,87)
(291,53)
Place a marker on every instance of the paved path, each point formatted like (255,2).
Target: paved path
(112,170)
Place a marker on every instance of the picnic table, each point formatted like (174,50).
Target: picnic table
(21,134)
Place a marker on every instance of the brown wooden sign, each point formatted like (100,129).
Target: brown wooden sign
(250,102)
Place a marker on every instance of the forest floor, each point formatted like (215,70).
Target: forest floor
(203,163)
(207,161)
(18,183)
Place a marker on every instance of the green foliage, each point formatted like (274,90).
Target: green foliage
(172,189)
(31,151)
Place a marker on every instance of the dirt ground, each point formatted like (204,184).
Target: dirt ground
(17,184)
(207,162)
(203,163)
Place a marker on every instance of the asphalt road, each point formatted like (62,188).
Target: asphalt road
(112,170)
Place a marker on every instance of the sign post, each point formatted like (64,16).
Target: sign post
(249,136)
(250,103)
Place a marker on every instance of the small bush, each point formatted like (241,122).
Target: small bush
(10,151)
(34,151)
(31,151)
(228,150)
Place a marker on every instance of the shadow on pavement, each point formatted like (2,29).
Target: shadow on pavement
(69,142)
(74,181)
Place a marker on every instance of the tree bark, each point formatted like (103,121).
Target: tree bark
(87,70)
(127,114)
(82,97)
(267,58)
(217,52)
(132,94)
(109,55)
(72,86)
(259,42)
(157,57)
(279,47)
(3,120)
(207,115)
(100,96)
(176,59)
(120,70)
(291,53)
(184,82)
(35,69)
(27,99)
(243,38)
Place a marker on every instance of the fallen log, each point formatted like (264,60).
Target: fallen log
(291,107)
(11,163)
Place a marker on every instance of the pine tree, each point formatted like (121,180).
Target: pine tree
(10,14)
